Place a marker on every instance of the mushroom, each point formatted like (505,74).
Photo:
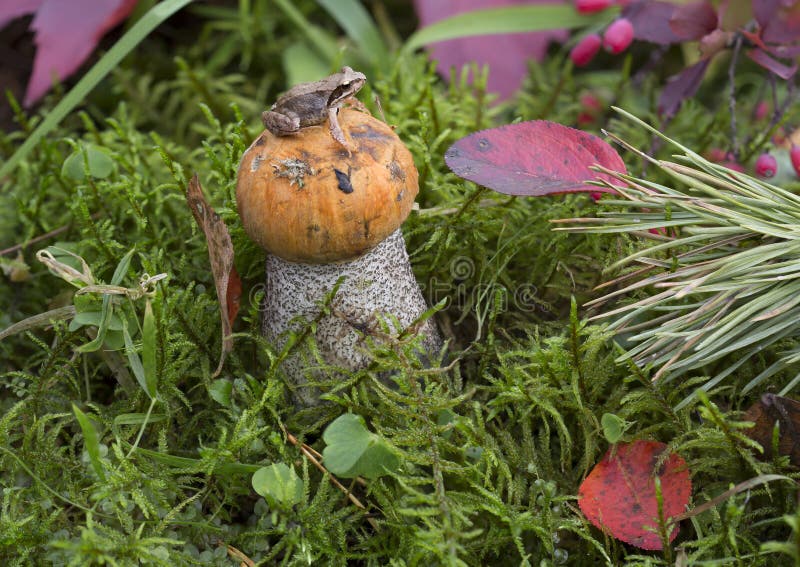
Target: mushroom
(323,213)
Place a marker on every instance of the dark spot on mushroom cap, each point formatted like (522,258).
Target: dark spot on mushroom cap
(367,131)
(260,141)
(396,171)
(484,145)
(343,179)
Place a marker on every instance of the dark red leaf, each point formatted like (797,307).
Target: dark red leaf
(650,19)
(762,58)
(532,159)
(693,21)
(507,55)
(220,253)
(680,87)
(66,34)
(779,20)
(11,9)
(619,495)
(768,411)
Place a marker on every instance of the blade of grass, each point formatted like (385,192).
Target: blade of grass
(357,22)
(512,19)
(90,441)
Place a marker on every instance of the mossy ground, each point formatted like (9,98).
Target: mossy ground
(494,446)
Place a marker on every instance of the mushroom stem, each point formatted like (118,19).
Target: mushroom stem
(378,285)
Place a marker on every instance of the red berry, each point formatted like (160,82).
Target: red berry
(590,103)
(585,50)
(596,195)
(766,166)
(735,166)
(762,110)
(794,155)
(591,6)
(618,36)
(716,155)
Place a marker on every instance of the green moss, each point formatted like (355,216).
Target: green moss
(494,445)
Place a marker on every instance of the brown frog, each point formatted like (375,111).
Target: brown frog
(309,104)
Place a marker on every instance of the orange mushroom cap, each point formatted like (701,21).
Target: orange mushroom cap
(304,199)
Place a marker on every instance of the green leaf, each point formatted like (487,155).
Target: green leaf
(354,451)
(512,19)
(220,391)
(149,350)
(122,268)
(136,363)
(138,418)
(107,63)
(614,427)
(301,64)
(279,484)
(97,342)
(99,164)
(90,441)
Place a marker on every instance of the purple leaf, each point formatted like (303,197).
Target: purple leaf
(532,159)
(762,58)
(680,87)
(693,21)
(11,9)
(506,54)
(779,20)
(650,19)
(66,34)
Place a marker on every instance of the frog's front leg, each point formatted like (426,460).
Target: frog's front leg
(281,123)
(336,129)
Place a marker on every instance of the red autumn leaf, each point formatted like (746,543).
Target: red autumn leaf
(66,34)
(533,158)
(650,19)
(11,9)
(619,495)
(506,55)
(680,87)
(778,20)
(220,253)
(693,21)
(762,58)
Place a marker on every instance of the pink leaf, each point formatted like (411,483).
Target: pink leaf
(11,9)
(507,54)
(650,19)
(762,58)
(532,159)
(619,495)
(693,21)
(680,87)
(66,34)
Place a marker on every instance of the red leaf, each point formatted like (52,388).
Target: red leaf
(619,495)
(220,253)
(532,159)
(66,34)
(680,87)
(506,55)
(693,21)
(762,58)
(11,9)
(650,19)
(779,20)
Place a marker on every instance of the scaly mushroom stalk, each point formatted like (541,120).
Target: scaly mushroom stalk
(322,215)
